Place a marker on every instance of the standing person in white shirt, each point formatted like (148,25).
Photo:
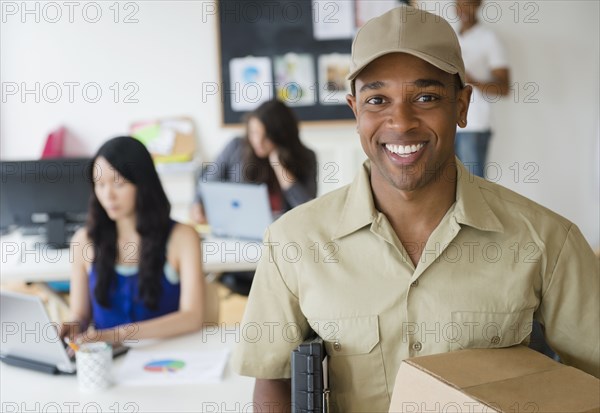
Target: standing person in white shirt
(487,71)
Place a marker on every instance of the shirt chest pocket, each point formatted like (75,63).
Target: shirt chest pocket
(348,336)
(355,362)
(490,330)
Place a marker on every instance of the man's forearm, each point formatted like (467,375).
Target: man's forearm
(273,395)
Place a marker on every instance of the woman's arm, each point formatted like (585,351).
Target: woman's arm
(294,191)
(185,248)
(80,307)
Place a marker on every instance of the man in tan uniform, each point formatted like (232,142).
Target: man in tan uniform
(416,256)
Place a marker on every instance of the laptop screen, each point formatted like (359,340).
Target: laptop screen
(28,333)
(236,210)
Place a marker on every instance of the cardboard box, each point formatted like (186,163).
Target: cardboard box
(509,380)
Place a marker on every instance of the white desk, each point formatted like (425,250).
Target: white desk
(28,259)
(25,390)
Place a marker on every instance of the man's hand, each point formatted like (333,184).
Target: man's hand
(273,395)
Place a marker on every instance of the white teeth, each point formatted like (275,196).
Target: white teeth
(404,150)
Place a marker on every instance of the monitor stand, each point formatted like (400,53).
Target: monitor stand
(56,234)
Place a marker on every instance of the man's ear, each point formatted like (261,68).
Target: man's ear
(463,99)
(351,99)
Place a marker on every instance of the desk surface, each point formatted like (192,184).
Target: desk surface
(25,390)
(28,259)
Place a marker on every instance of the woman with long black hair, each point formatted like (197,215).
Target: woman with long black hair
(136,273)
(270,153)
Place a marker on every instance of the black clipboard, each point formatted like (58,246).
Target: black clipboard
(310,387)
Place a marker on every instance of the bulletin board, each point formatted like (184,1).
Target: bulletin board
(295,50)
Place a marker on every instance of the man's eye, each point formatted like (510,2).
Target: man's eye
(376,100)
(427,98)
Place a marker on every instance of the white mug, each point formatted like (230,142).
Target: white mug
(94,366)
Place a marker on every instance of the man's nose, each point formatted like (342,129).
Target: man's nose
(402,117)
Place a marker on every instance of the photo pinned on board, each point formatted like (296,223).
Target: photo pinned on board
(295,79)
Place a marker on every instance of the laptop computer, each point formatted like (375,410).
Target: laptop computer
(236,210)
(30,339)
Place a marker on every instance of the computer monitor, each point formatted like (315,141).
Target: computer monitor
(52,194)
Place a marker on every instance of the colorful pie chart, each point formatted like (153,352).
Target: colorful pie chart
(160,366)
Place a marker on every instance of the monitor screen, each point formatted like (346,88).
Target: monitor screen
(33,192)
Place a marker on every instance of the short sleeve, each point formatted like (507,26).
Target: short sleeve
(273,324)
(497,53)
(570,307)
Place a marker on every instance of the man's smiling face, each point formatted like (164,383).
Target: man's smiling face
(407,111)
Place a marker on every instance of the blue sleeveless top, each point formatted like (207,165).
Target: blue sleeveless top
(125,305)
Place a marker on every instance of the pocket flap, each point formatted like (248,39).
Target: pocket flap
(348,336)
(491,330)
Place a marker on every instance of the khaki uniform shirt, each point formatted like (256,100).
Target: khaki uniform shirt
(495,262)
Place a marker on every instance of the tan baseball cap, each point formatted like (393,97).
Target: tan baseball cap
(406,29)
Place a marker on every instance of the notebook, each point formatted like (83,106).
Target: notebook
(30,339)
(236,210)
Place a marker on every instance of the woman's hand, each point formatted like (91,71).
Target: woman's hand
(274,157)
(197,214)
(285,178)
(72,330)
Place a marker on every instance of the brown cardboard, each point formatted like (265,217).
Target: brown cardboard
(510,380)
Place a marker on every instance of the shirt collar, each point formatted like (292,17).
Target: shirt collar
(470,207)
(359,208)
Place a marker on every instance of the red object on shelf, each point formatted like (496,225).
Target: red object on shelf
(55,141)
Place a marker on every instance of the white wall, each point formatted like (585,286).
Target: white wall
(171,52)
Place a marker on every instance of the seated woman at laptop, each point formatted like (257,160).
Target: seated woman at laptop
(136,273)
(270,153)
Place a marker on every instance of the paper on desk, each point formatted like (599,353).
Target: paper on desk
(145,368)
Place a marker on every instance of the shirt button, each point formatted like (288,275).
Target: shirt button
(495,340)
(414,283)
(337,346)
(417,346)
